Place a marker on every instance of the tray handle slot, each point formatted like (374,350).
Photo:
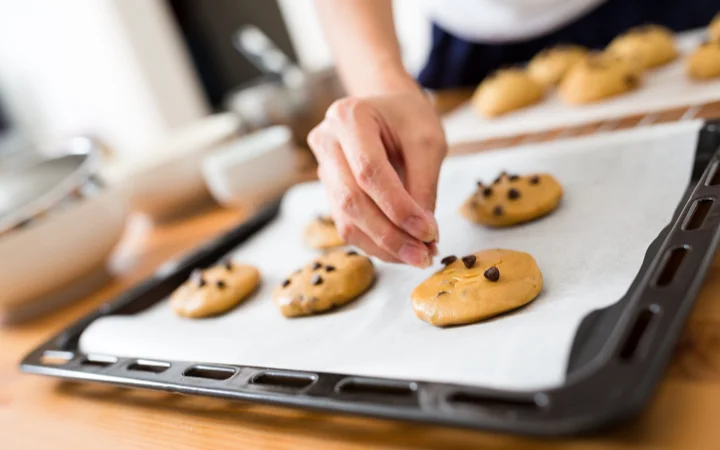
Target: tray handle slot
(283,380)
(356,386)
(698,213)
(145,365)
(468,399)
(56,357)
(638,331)
(671,263)
(99,361)
(210,372)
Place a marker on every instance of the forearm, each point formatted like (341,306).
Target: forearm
(362,37)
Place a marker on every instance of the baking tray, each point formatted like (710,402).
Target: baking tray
(618,355)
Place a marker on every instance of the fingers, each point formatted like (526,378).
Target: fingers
(359,220)
(359,136)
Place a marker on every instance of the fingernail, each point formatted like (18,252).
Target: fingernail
(419,228)
(414,255)
(433,249)
(433,223)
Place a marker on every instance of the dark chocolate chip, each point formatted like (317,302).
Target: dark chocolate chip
(534,179)
(325,220)
(286,282)
(631,80)
(487,192)
(197,277)
(316,265)
(448,260)
(469,261)
(513,194)
(492,274)
(351,253)
(513,177)
(329,268)
(221,284)
(498,210)
(228,265)
(316,279)
(442,293)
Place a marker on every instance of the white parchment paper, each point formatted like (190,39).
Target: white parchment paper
(664,88)
(621,189)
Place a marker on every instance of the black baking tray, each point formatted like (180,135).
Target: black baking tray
(618,356)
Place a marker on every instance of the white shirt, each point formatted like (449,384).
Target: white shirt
(505,20)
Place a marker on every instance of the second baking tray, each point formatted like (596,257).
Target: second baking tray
(618,355)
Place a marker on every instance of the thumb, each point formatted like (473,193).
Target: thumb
(422,170)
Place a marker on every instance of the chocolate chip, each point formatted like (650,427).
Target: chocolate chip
(631,80)
(316,265)
(534,179)
(487,192)
(448,260)
(351,253)
(513,177)
(221,284)
(469,261)
(325,220)
(316,279)
(228,265)
(286,282)
(498,210)
(329,268)
(442,293)
(197,277)
(492,274)
(513,194)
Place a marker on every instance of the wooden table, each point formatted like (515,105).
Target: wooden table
(42,413)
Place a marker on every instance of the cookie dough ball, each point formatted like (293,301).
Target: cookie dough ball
(505,91)
(704,62)
(649,45)
(714,29)
(597,78)
(476,287)
(215,290)
(550,66)
(513,199)
(322,234)
(331,280)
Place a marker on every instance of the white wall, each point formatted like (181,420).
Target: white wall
(115,68)
(412,25)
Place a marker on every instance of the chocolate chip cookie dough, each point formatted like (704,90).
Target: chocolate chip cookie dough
(704,62)
(550,65)
(512,199)
(331,280)
(477,286)
(599,77)
(214,290)
(506,90)
(650,45)
(322,234)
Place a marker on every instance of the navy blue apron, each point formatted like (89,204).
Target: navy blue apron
(454,62)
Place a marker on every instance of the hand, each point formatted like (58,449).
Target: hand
(379,159)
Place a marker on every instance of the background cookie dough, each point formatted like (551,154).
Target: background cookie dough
(215,290)
(649,45)
(598,77)
(321,233)
(714,28)
(476,287)
(505,91)
(550,66)
(331,280)
(513,199)
(704,62)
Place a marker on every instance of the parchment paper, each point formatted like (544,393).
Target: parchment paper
(664,88)
(621,189)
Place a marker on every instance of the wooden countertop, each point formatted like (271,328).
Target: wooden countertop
(40,413)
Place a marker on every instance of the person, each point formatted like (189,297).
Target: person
(379,150)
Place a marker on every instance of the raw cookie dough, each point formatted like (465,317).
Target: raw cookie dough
(704,62)
(513,199)
(506,90)
(330,280)
(476,287)
(322,234)
(598,77)
(550,65)
(214,290)
(649,45)
(714,28)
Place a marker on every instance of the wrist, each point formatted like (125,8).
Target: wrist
(383,78)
